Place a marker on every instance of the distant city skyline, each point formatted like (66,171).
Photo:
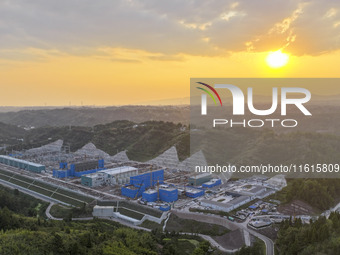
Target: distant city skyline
(132,51)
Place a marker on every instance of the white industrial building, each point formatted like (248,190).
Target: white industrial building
(226,207)
(112,176)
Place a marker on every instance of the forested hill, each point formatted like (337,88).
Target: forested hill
(24,230)
(319,237)
(142,141)
(146,140)
(10,134)
(91,116)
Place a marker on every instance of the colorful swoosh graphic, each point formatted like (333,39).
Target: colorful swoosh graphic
(212,89)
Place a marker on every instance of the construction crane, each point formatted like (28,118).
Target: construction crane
(139,189)
(157,189)
(185,183)
(151,178)
(195,179)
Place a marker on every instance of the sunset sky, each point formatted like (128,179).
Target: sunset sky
(126,52)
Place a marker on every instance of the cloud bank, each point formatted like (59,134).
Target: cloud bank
(170,28)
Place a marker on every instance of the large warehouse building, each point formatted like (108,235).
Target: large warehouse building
(113,176)
(228,206)
(21,164)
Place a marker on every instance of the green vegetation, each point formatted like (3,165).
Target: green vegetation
(185,246)
(71,198)
(35,235)
(255,147)
(258,248)
(192,226)
(66,212)
(90,116)
(176,224)
(23,235)
(319,193)
(149,139)
(319,237)
(21,203)
(49,237)
(143,141)
(10,134)
(152,225)
(221,213)
(130,213)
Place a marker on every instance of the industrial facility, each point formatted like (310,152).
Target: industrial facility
(168,194)
(132,191)
(163,193)
(21,164)
(112,176)
(150,195)
(194,193)
(212,183)
(150,187)
(161,183)
(139,183)
(78,169)
(198,180)
(227,206)
(148,179)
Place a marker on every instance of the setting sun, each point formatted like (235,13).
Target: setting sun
(277,59)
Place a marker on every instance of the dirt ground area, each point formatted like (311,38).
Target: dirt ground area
(296,207)
(231,240)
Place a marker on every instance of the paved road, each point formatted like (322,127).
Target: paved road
(230,225)
(212,242)
(269,242)
(246,237)
(50,216)
(205,237)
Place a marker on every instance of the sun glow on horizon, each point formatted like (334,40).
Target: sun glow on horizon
(277,59)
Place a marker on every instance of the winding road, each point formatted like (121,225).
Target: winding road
(50,216)
(197,216)
(228,224)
